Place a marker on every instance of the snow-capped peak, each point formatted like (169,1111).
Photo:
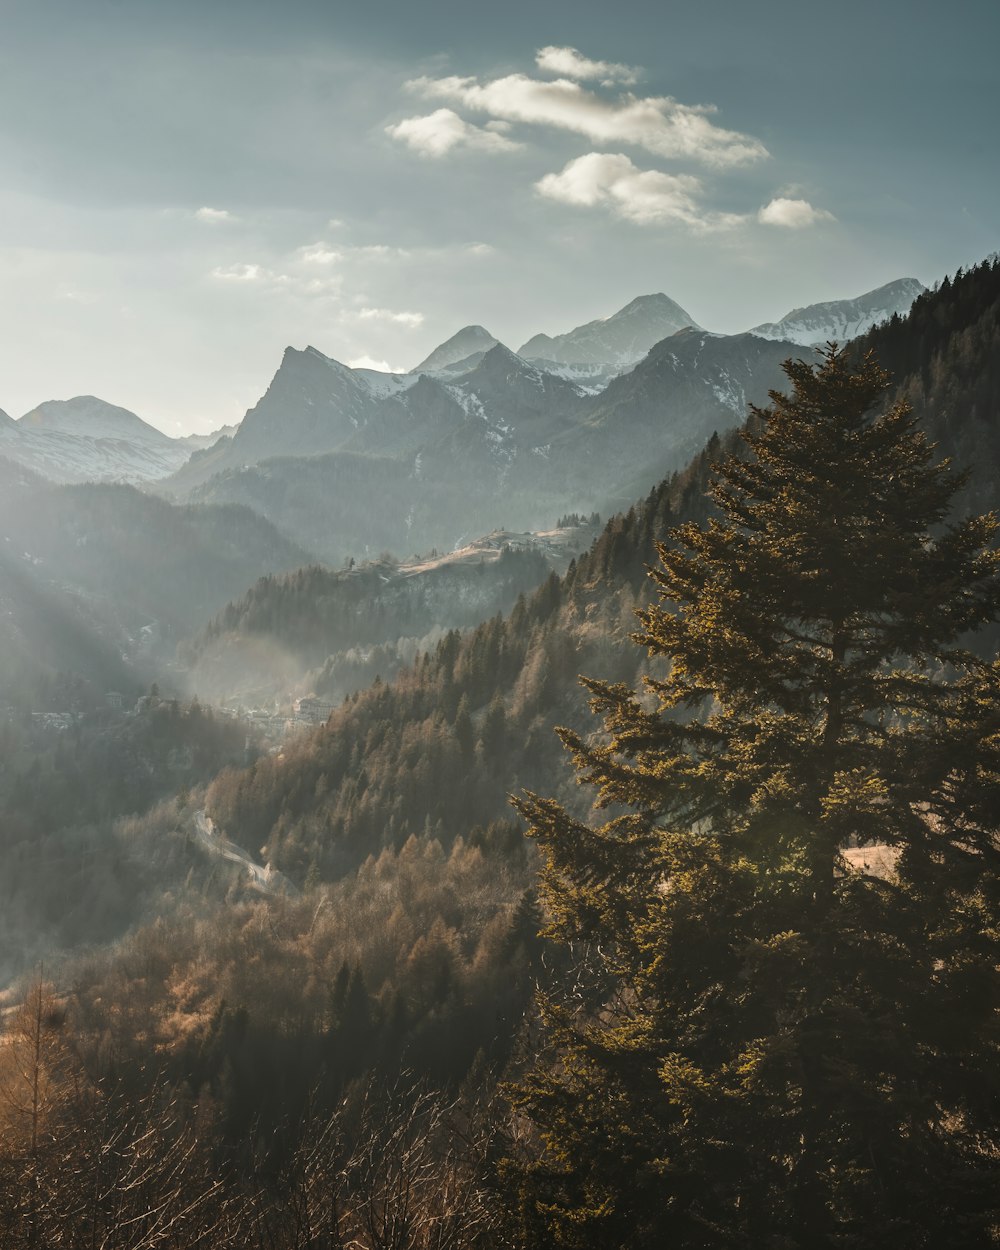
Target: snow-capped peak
(621,340)
(93,418)
(844,319)
(467,342)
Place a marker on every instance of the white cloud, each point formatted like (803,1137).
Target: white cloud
(241,273)
(368,362)
(215,216)
(272,280)
(319,254)
(409,319)
(442,131)
(792,214)
(644,196)
(659,124)
(572,64)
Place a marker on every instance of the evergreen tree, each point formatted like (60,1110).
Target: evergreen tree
(765,1047)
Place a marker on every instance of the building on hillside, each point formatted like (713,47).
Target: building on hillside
(311,710)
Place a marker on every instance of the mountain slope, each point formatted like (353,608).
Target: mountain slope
(467,342)
(145,572)
(88,440)
(312,406)
(841,320)
(650,421)
(94,418)
(620,340)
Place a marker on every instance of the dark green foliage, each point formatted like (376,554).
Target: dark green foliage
(770,1047)
(943,356)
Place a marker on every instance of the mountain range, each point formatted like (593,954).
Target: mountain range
(350,464)
(352,461)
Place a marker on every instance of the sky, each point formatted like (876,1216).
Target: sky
(186,188)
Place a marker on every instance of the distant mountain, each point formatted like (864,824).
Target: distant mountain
(55,649)
(432,460)
(91,417)
(64,458)
(353,462)
(649,421)
(467,342)
(844,319)
(139,572)
(201,442)
(88,440)
(620,340)
(314,405)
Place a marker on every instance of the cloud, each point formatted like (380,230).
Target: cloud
(272,280)
(571,64)
(659,124)
(368,362)
(442,131)
(792,214)
(319,254)
(241,273)
(215,216)
(644,196)
(409,319)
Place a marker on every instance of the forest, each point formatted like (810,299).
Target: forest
(574,951)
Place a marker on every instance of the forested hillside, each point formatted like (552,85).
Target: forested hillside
(334,631)
(410,939)
(373,776)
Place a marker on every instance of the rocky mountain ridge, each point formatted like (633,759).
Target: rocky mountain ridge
(620,340)
(841,320)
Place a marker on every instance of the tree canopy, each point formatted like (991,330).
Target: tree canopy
(765,1045)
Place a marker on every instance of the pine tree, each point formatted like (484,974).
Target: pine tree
(765,1047)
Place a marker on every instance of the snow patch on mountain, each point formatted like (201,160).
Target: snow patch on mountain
(621,340)
(65,458)
(381,385)
(842,320)
(93,418)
